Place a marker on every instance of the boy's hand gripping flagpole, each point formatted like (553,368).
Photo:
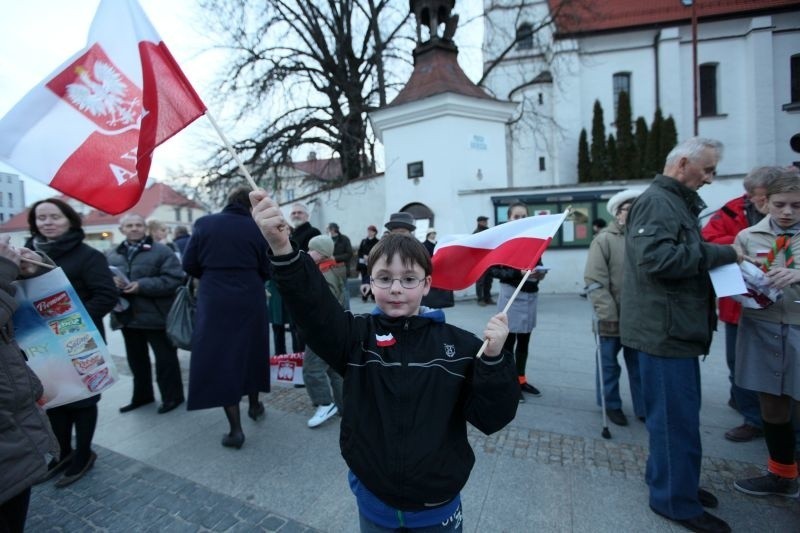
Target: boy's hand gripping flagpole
(522,282)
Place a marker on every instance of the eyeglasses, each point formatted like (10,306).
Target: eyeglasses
(386,282)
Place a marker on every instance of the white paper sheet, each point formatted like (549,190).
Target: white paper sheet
(727,280)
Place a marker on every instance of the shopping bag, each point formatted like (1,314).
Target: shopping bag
(286,368)
(62,344)
(180,319)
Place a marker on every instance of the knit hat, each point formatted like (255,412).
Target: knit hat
(401,220)
(430,230)
(322,244)
(483,218)
(622,197)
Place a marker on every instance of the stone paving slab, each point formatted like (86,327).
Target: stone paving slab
(123,494)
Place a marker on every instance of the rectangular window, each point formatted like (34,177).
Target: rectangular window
(708,90)
(189,214)
(576,232)
(11,199)
(524,37)
(795,75)
(541,164)
(622,82)
(177,214)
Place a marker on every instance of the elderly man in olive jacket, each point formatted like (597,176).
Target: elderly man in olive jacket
(668,316)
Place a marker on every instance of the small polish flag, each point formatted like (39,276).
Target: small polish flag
(385,340)
(459,260)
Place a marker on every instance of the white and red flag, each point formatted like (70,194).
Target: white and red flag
(89,129)
(460,260)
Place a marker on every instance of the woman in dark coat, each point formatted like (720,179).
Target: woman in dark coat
(56,231)
(230,343)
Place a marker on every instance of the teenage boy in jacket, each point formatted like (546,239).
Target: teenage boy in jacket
(411,381)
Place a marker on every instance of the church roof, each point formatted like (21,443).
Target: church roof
(155,195)
(609,15)
(436,71)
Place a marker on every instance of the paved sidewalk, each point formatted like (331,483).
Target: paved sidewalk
(549,470)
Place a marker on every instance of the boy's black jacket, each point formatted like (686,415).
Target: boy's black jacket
(403,431)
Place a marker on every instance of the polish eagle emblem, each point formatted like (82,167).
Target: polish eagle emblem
(102,94)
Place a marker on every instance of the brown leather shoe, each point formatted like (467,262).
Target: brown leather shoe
(744,433)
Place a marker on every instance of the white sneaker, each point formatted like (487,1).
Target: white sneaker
(324,412)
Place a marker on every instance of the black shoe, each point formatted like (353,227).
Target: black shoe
(707,499)
(490,302)
(641,419)
(256,412)
(617,416)
(69,480)
(233,440)
(769,484)
(481,303)
(134,405)
(55,467)
(530,389)
(299,386)
(705,523)
(166,407)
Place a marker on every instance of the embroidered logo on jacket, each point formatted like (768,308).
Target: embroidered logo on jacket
(450,350)
(385,340)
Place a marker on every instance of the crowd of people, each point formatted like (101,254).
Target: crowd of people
(254,272)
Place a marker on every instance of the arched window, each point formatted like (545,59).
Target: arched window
(524,36)
(622,82)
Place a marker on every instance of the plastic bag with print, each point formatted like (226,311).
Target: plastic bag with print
(760,294)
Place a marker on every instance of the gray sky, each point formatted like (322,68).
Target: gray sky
(36,36)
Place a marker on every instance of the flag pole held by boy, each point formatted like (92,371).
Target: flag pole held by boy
(460,260)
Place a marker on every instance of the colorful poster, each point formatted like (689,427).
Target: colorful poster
(286,368)
(61,341)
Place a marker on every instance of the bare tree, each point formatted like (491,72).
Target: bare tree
(304,74)
(525,55)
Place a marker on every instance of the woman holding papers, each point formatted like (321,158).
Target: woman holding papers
(25,439)
(56,231)
(768,341)
(522,314)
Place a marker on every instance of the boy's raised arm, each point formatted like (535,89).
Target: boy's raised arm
(270,221)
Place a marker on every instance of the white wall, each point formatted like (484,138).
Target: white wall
(753,54)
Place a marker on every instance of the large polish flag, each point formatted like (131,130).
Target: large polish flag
(459,260)
(89,129)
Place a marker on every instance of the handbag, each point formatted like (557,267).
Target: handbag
(180,319)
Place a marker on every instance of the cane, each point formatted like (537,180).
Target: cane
(605,433)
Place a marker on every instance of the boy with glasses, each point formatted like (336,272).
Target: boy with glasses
(411,381)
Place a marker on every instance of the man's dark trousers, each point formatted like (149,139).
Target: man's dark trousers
(168,370)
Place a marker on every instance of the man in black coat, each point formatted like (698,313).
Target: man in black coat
(342,248)
(152,274)
(483,287)
(303,230)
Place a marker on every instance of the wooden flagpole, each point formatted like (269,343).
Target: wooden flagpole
(519,288)
(233,153)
